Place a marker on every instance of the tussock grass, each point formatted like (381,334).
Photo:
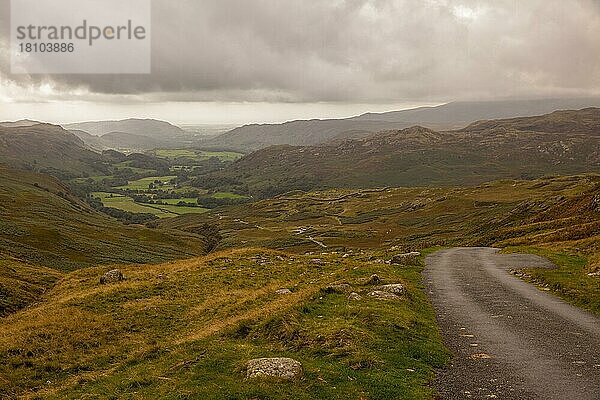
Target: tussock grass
(186,329)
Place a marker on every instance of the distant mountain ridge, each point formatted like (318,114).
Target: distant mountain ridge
(129,134)
(19,124)
(585,121)
(419,156)
(134,126)
(448,116)
(49,149)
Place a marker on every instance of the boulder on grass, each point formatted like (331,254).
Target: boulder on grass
(354,296)
(380,294)
(112,276)
(283,291)
(338,288)
(395,288)
(374,280)
(405,259)
(283,368)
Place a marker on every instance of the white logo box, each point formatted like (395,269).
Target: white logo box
(80,36)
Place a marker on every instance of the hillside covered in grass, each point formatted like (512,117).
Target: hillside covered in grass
(48,149)
(559,215)
(43,223)
(187,329)
(46,231)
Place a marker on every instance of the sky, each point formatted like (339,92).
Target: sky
(242,61)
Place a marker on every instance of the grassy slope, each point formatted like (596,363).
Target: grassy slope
(49,148)
(22,284)
(186,330)
(45,225)
(570,280)
(555,215)
(44,231)
(419,217)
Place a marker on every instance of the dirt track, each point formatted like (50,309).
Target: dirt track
(510,339)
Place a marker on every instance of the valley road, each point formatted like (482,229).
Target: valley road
(510,339)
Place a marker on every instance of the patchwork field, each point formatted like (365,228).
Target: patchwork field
(197,155)
(160,210)
(142,184)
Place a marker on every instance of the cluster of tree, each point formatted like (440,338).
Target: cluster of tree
(256,187)
(213,202)
(145,199)
(84,188)
(199,168)
(138,160)
(128,217)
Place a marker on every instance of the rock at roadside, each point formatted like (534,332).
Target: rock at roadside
(283,291)
(112,277)
(338,288)
(388,292)
(283,368)
(354,296)
(394,288)
(405,259)
(374,280)
(380,294)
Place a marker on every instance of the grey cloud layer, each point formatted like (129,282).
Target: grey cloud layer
(360,50)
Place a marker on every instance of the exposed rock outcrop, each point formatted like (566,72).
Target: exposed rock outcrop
(405,259)
(112,276)
(284,368)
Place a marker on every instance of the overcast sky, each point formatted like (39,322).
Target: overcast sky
(235,61)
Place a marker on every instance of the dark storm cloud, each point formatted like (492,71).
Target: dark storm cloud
(359,50)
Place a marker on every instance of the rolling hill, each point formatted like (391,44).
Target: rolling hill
(92,142)
(49,149)
(145,127)
(130,134)
(557,217)
(130,141)
(420,156)
(583,122)
(45,231)
(449,116)
(178,328)
(43,223)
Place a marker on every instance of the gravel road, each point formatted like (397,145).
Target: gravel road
(510,340)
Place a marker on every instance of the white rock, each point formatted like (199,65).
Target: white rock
(354,296)
(395,288)
(284,368)
(112,276)
(380,294)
